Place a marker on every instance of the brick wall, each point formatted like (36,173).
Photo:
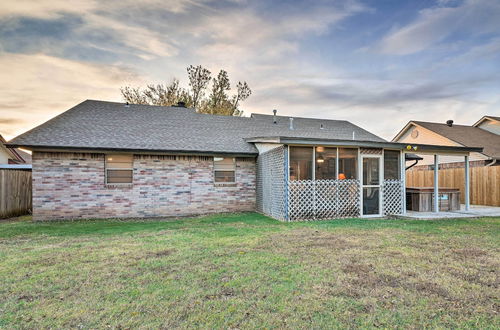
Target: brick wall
(71,185)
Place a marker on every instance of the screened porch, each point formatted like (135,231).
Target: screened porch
(297,182)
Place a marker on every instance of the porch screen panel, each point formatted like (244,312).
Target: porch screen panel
(391,165)
(348,163)
(326,159)
(301,163)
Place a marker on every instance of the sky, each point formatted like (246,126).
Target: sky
(376,63)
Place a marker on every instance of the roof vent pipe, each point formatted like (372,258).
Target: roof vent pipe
(127,105)
(353,135)
(275,121)
(449,123)
(291,123)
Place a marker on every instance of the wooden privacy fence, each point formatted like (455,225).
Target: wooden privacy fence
(15,193)
(484,182)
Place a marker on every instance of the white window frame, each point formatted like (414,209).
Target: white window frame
(233,170)
(337,163)
(106,168)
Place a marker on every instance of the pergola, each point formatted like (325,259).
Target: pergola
(437,151)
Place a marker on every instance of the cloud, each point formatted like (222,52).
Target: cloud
(97,18)
(246,34)
(35,87)
(291,54)
(433,25)
(44,9)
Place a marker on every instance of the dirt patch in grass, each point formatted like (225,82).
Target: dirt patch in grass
(162,253)
(306,239)
(469,252)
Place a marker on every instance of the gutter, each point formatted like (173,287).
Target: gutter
(421,148)
(137,151)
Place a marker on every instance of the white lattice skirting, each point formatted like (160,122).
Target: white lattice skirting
(392,192)
(271,183)
(323,199)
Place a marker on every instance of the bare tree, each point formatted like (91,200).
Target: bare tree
(217,102)
(199,77)
(243,92)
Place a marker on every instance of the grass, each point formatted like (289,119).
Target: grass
(248,271)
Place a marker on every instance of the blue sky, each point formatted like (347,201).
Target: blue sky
(378,63)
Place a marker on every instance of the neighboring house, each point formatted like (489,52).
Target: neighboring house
(103,159)
(10,155)
(485,133)
(489,123)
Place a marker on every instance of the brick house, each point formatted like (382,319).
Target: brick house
(104,159)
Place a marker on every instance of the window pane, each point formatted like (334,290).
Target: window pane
(119,176)
(224,169)
(371,171)
(391,165)
(224,176)
(325,163)
(224,164)
(348,163)
(301,163)
(119,161)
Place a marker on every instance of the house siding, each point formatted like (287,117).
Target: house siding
(72,185)
(491,126)
(426,136)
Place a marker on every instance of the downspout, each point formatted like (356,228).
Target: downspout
(493,162)
(416,162)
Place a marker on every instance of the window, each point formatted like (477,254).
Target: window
(326,162)
(348,163)
(301,163)
(119,169)
(224,170)
(391,165)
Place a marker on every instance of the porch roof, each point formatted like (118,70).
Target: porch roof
(420,148)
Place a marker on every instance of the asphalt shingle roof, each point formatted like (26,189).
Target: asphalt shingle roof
(99,124)
(468,136)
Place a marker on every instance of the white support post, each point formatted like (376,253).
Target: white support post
(467,184)
(436,183)
(403,179)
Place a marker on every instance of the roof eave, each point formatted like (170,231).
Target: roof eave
(134,150)
(402,131)
(360,143)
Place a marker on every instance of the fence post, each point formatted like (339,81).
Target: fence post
(467,184)
(436,183)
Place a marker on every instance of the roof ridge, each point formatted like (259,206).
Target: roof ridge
(138,104)
(444,124)
(295,117)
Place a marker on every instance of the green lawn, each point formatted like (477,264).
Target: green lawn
(248,271)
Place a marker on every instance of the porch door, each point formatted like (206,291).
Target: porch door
(371,180)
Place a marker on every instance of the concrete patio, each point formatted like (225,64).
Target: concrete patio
(475,211)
